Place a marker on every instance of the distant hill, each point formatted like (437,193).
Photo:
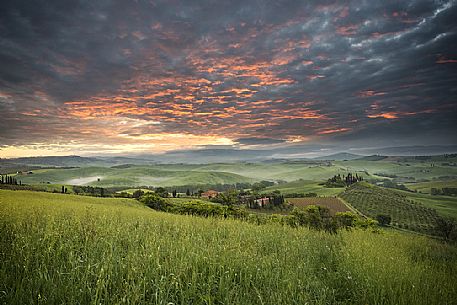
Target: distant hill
(52,161)
(339,157)
(418,150)
(373,158)
(13,165)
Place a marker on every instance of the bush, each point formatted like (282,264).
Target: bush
(366,223)
(446,228)
(162,192)
(383,220)
(155,202)
(315,217)
(193,207)
(137,194)
(346,220)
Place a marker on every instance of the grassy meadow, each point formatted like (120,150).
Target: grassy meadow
(69,249)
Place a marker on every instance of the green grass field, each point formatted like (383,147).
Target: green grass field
(67,249)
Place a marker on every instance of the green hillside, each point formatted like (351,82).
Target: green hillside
(67,249)
(425,187)
(303,186)
(444,205)
(406,214)
(130,176)
(416,171)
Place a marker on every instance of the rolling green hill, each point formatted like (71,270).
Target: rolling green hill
(130,176)
(371,201)
(67,249)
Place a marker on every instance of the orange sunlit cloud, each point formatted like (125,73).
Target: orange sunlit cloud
(331,131)
(370,93)
(314,72)
(347,30)
(445,60)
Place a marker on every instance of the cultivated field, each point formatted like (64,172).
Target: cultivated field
(444,205)
(406,214)
(66,249)
(334,204)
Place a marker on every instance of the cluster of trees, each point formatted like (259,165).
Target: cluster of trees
(9,180)
(195,189)
(192,207)
(229,198)
(89,190)
(261,185)
(250,199)
(446,191)
(343,181)
(313,217)
(300,195)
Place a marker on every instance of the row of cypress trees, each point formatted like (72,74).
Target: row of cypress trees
(9,180)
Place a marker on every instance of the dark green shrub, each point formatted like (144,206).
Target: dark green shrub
(446,228)
(155,202)
(384,220)
(137,194)
(346,219)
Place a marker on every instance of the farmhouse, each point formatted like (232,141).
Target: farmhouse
(262,201)
(210,194)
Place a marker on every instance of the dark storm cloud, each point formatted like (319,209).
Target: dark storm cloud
(257,72)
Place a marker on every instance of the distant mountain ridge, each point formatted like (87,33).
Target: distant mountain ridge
(339,157)
(230,155)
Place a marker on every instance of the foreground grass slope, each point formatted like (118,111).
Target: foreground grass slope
(69,249)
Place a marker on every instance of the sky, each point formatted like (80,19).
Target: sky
(135,77)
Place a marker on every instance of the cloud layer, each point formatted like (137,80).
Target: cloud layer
(116,76)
